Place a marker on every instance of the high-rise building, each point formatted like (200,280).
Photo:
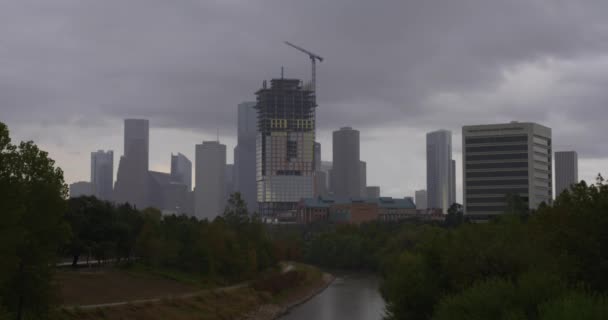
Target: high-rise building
(181,170)
(566,170)
(168,195)
(421,200)
(504,160)
(362,179)
(326,167)
(81,188)
(346,171)
(439,183)
(453,182)
(229,178)
(132,180)
(102,174)
(210,188)
(244,155)
(372,192)
(285,146)
(320,176)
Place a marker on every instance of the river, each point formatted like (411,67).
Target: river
(349,297)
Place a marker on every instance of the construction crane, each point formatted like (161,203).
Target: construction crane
(313,59)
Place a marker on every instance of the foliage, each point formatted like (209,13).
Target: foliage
(32,193)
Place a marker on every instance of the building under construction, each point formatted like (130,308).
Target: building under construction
(284,146)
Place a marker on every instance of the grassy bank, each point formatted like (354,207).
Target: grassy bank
(268,295)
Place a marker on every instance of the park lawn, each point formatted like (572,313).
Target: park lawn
(211,305)
(107,285)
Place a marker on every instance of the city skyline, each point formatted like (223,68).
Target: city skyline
(413,85)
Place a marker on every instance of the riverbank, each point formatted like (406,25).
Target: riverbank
(281,307)
(258,299)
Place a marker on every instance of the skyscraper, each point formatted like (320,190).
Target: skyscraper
(421,200)
(210,170)
(362,179)
(502,160)
(181,170)
(244,155)
(566,170)
(453,182)
(320,176)
(439,176)
(132,180)
(346,171)
(285,146)
(102,174)
(229,181)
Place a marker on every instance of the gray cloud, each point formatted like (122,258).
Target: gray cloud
(389,64)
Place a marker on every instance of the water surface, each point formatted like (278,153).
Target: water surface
(349,297)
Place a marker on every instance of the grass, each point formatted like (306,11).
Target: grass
(213,304)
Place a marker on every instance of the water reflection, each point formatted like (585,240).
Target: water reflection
(351,297)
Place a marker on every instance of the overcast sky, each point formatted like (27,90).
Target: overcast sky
(71,70)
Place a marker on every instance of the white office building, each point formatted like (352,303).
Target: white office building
(566,170)
(440,185)
(210,188)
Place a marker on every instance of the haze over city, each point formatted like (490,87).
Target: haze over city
(394,70)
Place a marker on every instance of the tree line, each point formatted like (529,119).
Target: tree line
(548,264)
(39,226)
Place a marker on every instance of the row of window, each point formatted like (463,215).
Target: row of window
(498,148)
(499,191)
(497,165)
(491,199)
(498,139)
(515,182)
(496,174)
(483,157)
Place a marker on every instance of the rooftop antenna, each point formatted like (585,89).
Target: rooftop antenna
(218,135)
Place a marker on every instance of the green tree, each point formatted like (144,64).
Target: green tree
(236,212)
(32,229)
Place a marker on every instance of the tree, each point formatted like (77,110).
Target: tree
(32,229)
(236,212)
(455,215)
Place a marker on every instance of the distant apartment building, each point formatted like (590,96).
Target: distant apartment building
(420,197)
(181,170)
(132,177)
(81,188)
(346,171)
(326,167)
(102,174)
(501,160)
(320,175)
(285,146)
(372,192)
(210,188)
(566,170)
(354,211)
(245,155)
(439,170)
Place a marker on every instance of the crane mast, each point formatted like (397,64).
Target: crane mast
(313,59)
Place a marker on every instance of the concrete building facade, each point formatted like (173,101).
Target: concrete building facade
(132,177)
(362,179)
(439,167)
(566,170)
(244,155)
(372,192)
(346,171)
(210,183)
(81,188)
(102,174)
(181,170)
(502,160)
(284,146)
(421,199)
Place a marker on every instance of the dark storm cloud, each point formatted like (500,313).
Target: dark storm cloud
(186,64)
